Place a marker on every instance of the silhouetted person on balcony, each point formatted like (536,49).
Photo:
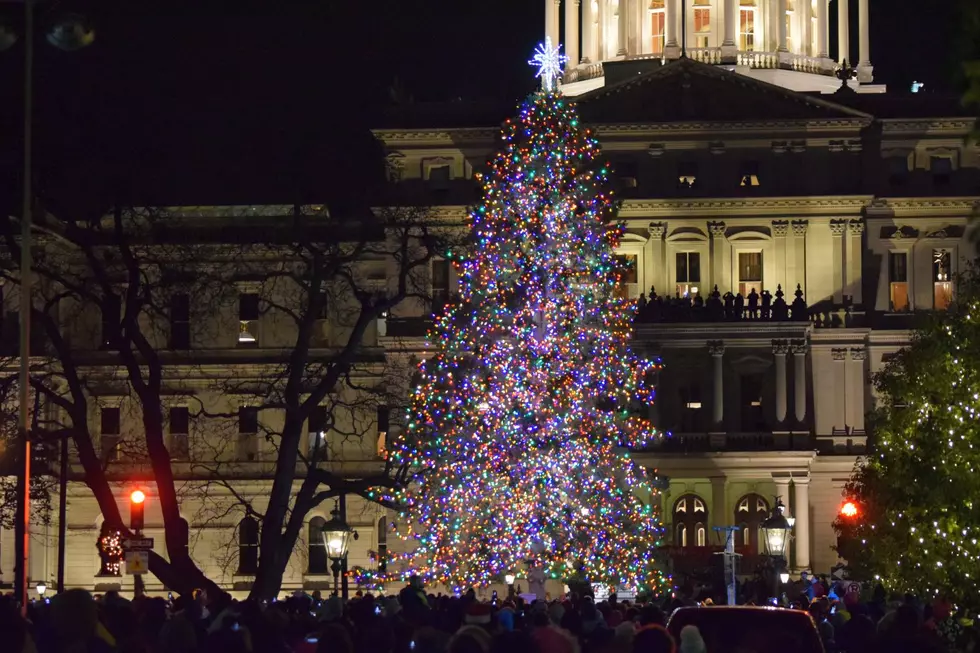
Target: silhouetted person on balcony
(729,305)
(753,305)
(739,306)
(766,304)
(698,301)
(641,303)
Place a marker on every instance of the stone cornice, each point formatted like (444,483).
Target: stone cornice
(795,206)
(240,211)
(436,137)
(888,207)
(932,125)
(767,127)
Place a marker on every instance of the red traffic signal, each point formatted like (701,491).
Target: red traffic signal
(136,500)
(848,509)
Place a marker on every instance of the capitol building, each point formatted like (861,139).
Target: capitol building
(785,223)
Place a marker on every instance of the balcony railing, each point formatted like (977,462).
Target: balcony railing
(730,307)
(713,56)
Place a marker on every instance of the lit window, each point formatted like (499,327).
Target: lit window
(681,506)
(749,175)
(698,505)
(702,535)
(658,17)
(749,272)
(746,26)
(628,286)
(702,24)
(317,433)
(682,535)
(316,549)
(248,317)
(746,536)
(942,280)
(743,505)
(383,426)
(688,273)
(898,285)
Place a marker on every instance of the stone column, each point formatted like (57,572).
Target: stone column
(837,228)
(717,350)
(717,230)
(856,387)
(854,250)
(782,491)
(588,22)
(864,68)
(839,356)
(551,8)
(719,502)
(799,257)
(571,31)
(781,25)
(780,229)
(843,27)
(798,349)
(731,20)
(779,350)
(659,262)
(673,19)
(823,25)
(801,510)
(622,11)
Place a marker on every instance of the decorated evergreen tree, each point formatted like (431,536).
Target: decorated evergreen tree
(521,424)
(915,522)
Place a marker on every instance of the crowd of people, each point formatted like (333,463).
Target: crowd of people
(414,621)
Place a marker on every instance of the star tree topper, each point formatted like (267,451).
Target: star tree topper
(550,62)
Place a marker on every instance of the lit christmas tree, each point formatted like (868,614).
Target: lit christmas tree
(521,422)
(916,522)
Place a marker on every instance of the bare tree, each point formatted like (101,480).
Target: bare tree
(121,300)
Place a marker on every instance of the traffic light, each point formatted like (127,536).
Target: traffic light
(136,500)
(848,510)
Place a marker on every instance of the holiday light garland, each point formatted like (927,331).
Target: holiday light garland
(918,493)
(521,424)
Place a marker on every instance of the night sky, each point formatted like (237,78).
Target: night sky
(187,102)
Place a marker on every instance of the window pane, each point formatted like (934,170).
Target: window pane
(682,267)
(440,274)
(750,266)
(318,419)
(110,421)
(180,420)
(180,307)
(694,267)
(897,267)
(248,306)
(248,419)
(941,265)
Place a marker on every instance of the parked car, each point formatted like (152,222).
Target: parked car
(748,629)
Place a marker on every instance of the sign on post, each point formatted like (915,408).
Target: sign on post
(138,543)
(137,562)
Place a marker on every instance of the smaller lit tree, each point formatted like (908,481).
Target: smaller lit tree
(915,525)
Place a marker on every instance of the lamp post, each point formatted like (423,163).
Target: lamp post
(509,579)
(41,588)
(336,534)
(69,32)
(775,532)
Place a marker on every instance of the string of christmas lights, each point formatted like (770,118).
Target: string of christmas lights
(522,422)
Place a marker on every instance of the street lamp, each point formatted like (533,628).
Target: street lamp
(775,533)
(70,32)
(336,535)
(509,579)
(41,588)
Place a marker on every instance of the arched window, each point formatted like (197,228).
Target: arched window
(690,516)
(316,551)
(248,546)
(750,511)
(383,544)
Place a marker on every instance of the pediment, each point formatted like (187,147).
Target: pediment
(687,91)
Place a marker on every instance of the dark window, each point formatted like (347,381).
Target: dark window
(897,267)
(180,423)
(440,283)
(898,170)
(180,321)
(248,419)
(317,550)
(248,546)
(690,409)
(111,311)
(317,432)
(439,177)
(752,415)
(111,430)
(323,304)
(942,169)
(383,416)
(248,306)
(626,173)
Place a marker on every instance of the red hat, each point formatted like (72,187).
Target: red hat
(477,614)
